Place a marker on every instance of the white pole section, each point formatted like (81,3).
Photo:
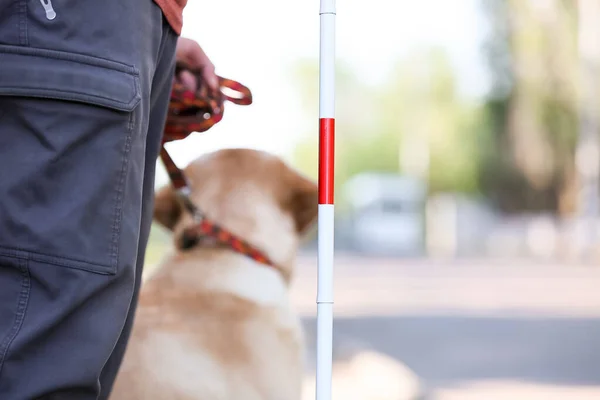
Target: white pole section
(326,224)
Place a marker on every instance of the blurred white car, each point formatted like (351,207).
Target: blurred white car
(387,213)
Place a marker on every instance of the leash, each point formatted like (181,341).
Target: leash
(198,111)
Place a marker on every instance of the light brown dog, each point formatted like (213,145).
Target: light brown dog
(213,324)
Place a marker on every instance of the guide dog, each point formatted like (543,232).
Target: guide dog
(213,323)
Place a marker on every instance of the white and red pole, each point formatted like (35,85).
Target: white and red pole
(325,224)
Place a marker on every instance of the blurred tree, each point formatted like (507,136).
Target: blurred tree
(380,125)
(532,109)
(421,101)
(358,146)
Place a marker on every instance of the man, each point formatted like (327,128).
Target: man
(84,89)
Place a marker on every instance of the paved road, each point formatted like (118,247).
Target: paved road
(472,330)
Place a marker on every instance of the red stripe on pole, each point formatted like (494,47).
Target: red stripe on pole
(326,159)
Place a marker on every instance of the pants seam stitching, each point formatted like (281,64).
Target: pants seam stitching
(118,208)
(23,37)
(22,304)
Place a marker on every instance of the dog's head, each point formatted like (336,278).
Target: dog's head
(252,194)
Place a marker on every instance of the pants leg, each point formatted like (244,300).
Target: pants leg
(76,92)
(161,89)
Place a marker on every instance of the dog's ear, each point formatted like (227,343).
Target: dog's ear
(167,208)
(303,202)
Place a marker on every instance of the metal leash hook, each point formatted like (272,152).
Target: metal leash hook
(326,209)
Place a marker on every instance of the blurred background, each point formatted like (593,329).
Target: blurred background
(467,178)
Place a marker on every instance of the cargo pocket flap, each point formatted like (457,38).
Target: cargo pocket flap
(26,71)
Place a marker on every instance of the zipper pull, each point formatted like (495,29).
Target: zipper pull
(50,13)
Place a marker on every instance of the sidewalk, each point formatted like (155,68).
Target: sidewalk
(471,330)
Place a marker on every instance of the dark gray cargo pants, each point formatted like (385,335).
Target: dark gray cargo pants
(84,87)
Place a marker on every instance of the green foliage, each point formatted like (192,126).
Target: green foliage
(360,145)
(517,148)
(374,124)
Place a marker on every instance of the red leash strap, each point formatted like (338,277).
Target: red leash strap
(243,96)
(198,111)
(206,229)
(175,174)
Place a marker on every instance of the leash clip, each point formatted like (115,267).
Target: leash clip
(198,216)
(184,195)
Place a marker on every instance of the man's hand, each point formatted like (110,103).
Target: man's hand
(190,53)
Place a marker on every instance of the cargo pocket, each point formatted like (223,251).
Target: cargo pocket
(65,140)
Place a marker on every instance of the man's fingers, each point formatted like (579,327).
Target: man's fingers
(190,53)
(209,76)
(187,79)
